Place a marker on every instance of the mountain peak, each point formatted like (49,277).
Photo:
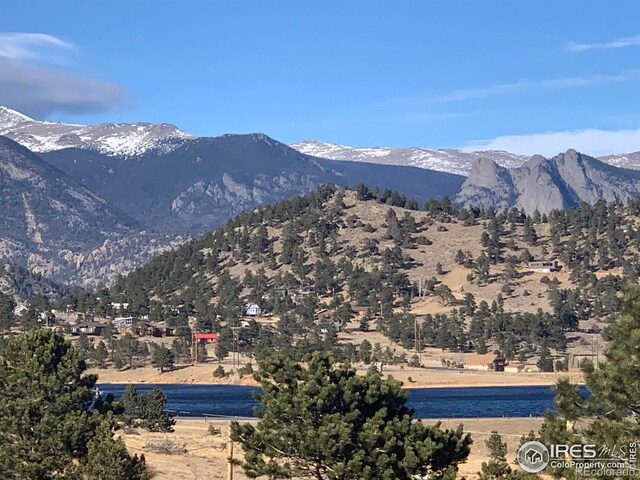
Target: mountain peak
(123,139)
(10,117)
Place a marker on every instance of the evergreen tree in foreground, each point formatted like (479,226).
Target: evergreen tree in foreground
(324,421)
(613,410)
(49,422)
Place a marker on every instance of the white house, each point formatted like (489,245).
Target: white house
(253,309)
(123,321)
(544,266)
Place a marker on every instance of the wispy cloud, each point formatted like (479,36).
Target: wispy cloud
(622,42)
(519,86)
(551,83)
(34,47)
(590,141)
(429,117)
(31,84)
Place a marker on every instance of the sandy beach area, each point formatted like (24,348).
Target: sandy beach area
(410,377)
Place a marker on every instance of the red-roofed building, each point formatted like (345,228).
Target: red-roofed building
(207,337)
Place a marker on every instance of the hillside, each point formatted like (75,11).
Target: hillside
(545,184)
(203,182)
(461,273)
(22,284)
(49,219)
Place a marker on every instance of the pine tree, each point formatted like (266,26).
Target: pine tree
(545,362)
(7,318)
(100,354)
(153,415)
(48,418)
(162,358)
(108,459)
(325,421)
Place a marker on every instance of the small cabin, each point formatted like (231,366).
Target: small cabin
(151,329)
(88,328)
(359,311)
(281,292)
(253,310)
(544,266)
(206,337)
(485,362)
(122,322)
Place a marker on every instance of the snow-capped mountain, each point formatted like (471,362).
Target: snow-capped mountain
(623,160)
(449,160)
(124,139)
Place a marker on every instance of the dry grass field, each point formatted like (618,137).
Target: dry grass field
(206,455)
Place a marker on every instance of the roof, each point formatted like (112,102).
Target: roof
(479,359)
(206,336)
(90,324)
(359,308)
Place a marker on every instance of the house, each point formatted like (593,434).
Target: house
(206,337)
(88,328)
(544,266)
(119,305)
(516,368)
(253,310)
(151,329)
(359,311)
(325,314)
(121,322)
(282,292)
(485,362)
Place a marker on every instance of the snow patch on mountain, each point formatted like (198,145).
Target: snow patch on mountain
(446,160)
(450,160)
(123,139)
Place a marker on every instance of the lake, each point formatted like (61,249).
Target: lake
(468,402)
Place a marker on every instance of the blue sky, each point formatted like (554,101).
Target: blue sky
(527,76)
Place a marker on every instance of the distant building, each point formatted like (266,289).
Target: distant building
(544,266)
(325,314)
(88,328)
(152,329)
(206,337)
(516,368)
(253,310)
(121,322)
(359,311)
(120,306)
(486,362)
(281,291)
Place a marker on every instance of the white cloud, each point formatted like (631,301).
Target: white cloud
(33,46)
(551,83)
(593,142)
(622,42)
(36,89)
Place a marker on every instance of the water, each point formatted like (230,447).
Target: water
(473,402)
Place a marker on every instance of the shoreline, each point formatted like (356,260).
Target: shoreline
(416,378)
(404,386)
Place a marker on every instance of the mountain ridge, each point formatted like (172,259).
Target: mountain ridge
(545,184)
(445,160)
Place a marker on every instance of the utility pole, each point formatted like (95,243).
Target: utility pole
(230,454)
(417,340)
(236,346)
(194,347)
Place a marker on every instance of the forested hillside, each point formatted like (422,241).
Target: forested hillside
(463,273)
